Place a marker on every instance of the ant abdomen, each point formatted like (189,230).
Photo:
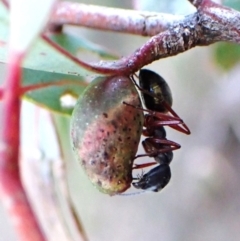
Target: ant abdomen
(154,84)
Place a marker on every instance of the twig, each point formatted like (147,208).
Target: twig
(211,23)
(112,19)
(33,87)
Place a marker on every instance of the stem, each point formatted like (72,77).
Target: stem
(68,54)
(1,93)
(210,24)
(113,19)
(12,192)
(33,87)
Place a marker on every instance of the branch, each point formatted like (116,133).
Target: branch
(209,24)
(196,3)
(112,19)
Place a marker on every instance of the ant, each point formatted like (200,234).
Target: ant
(157,98)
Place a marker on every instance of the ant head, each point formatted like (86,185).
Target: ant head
(155,180)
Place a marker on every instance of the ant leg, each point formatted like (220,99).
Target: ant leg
(138,166)
(155,122)
(166,119)
(160,149)
(167,145)
(151,143)
(183,129)
(152,149)
(171,121)
(140,88)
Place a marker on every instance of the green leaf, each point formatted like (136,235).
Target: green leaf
(79,46)
(235,4)
(52,97)
(44,64)
(227,55)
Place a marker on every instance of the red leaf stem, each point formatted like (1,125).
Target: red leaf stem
(1,93)
(12,193)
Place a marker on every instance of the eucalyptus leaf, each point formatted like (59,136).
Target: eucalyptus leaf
(54,97)
(44,64)
(77,45)
(226,55)
(232,4)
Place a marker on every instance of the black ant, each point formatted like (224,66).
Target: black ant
(157,98)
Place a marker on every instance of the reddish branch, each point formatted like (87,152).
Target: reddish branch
(209,24)
(1,93)
(12,193)
(112,19)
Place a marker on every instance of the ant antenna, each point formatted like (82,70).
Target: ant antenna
(139,176)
